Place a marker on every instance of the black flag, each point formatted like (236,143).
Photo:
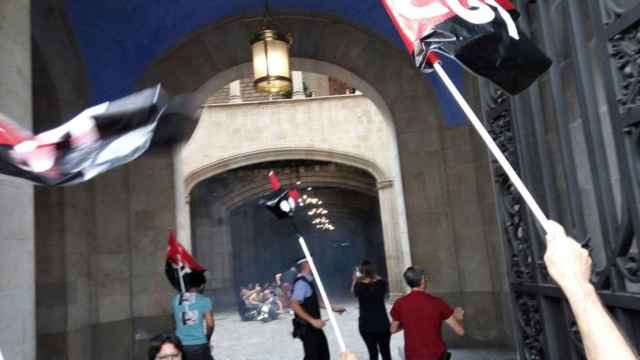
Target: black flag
(481,34)
(281,202)
(98,139)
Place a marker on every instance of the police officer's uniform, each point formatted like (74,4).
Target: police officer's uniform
(313,340)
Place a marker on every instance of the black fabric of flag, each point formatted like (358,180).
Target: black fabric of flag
(481,34)
(97,140)
(179,260)
(279,204)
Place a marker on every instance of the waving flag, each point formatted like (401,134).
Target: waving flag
(181,263)
(480,34)
(98,139)
(282,202)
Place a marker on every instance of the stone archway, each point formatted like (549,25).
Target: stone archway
(445,172)
(395,244)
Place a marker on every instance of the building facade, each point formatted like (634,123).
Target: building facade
(82,267)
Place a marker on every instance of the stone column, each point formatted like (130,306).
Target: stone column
(298,85)
(17,262)
(213,250)
(183,214)
(235,92)
(396,254)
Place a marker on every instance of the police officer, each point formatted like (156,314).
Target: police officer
(307,324)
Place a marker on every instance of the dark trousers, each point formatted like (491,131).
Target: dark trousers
(197,352)
(315,344)
(377,343)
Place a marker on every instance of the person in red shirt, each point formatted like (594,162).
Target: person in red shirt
(421,315)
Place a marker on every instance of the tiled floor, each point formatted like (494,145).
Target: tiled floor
(237,340)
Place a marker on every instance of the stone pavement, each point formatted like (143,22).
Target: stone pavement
(237,340)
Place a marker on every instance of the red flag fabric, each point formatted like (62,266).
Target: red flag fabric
(178,256)
(480,34)
(10,133)
(294,195)
(273,179)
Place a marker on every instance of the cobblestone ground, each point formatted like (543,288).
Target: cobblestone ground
(237,340)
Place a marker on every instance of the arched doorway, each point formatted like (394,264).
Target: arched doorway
(445,175)
(240,242)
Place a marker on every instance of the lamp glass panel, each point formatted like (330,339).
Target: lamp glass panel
(259,60)
(278,58)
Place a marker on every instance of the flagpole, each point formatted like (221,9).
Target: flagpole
(488,140)
(323,294)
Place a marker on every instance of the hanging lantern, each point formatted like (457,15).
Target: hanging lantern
(271,71)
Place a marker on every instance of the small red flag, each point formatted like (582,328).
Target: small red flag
(177,255)
(273,178)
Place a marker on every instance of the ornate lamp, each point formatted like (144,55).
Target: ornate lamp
(270,53)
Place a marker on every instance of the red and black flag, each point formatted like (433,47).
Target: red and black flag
(281,202)
(98,139)
(181,263)
(480,34)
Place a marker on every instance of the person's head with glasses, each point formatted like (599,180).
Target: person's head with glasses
(165,347)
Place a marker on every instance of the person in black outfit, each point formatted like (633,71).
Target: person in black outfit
(307,323)
(371,292)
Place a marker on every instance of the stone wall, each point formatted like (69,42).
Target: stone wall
(17,290)
(347,126)
(350,124)
(101,250)
(100,246)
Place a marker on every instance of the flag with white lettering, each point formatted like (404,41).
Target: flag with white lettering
(480,34)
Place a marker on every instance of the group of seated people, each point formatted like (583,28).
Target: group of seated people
(262,302)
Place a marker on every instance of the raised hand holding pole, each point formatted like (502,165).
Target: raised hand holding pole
(488,140)
(323,294)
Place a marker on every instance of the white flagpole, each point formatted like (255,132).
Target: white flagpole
(323,294)
(497,153)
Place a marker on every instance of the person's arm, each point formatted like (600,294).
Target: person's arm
(336,309)
(570,266)
(250,294)
(354,280)
(211,323)
(455,325)
(297,308)
(253,299)
(396,327)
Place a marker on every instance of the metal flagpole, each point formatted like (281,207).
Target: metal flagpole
(323,294)
(497,153)
(183,290)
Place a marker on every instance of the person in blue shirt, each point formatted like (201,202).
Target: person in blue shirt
(194,323)
(307,323)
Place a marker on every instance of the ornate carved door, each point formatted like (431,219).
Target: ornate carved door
(575,138)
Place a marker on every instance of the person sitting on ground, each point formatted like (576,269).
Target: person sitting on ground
(373,322)
(274,301)
(286,280)
(193,314)
(254,299)
(570,266)
(164,347)
(421,315)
